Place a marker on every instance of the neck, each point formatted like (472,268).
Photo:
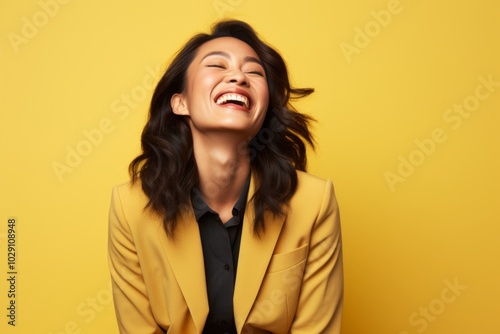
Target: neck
(223,165)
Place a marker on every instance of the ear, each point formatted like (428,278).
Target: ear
(178,104)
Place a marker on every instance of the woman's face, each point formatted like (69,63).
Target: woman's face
(226,89)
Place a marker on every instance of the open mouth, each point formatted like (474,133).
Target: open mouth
(235,99)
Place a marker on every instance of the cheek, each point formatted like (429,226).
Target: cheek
(264,94)
(263,101)
(201,85)
(208,81)
(267,96)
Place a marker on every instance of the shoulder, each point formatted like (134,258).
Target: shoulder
(311,185)
(312,192)
(130,199)
(130,192)
(308,180)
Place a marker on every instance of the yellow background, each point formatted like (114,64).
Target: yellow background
(90,65)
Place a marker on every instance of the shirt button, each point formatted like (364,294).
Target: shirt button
(235,212)
(226,267)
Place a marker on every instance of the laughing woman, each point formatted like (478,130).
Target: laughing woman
(221,230)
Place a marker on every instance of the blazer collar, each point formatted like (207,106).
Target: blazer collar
(254,257)
(185,257)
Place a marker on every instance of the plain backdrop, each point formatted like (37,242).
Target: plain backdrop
(407,104)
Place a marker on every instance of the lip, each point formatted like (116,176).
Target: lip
(239,91)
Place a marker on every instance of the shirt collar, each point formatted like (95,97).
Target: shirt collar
(200,207)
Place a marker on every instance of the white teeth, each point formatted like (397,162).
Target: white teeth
(233,97)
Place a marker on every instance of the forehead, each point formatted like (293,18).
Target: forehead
(230,45)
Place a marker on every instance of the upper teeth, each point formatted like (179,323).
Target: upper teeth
(233,97)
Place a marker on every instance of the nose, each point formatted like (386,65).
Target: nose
(238,77)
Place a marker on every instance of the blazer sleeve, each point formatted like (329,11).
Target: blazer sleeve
(130,296)
(321,297)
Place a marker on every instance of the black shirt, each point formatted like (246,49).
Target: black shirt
(221,246)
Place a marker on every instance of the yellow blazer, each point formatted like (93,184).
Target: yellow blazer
(290,280)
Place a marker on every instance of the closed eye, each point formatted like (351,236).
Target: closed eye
(257,73)
(215,65)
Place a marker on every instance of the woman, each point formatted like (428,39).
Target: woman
(220,229)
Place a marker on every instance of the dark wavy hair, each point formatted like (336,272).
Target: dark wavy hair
(166,167)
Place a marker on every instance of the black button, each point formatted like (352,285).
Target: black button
(226,267)
(223,323)
(235,212)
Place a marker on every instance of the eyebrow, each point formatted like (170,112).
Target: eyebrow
(226,55)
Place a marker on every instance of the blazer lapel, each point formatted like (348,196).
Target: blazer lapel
(185,255)
(254,257)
